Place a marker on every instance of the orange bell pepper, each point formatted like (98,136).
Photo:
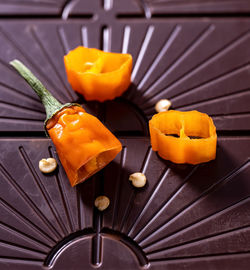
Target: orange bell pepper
(98,75)
(183,149)
(84,145)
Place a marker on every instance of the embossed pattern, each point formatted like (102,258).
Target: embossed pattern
(28,7)
(147,8)
(157,7)
(179,67)
(167,218)
(186,217)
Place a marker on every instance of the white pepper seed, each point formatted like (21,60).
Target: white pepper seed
(138,179)
(163,105)
(102,203)
(47,165)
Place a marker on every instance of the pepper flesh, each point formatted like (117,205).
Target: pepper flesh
(84,145)
(183,149)
(98,75)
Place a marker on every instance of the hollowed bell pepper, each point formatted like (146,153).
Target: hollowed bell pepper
(195,136)
(84,145)
(96,74)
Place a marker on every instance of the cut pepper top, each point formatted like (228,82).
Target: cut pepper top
(84,145)
(98,75)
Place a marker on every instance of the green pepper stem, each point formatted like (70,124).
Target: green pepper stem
(51,104)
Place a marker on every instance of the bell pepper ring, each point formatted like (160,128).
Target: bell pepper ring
(96,74)
(197,136)
(84,145)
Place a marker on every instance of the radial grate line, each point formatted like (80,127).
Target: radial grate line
(200,239)
(205,193)
(126,38)
(119,185)
(84,36)
(50,61)
(222,51)
(133,194)
(193,225)
(225,97)
(143,50)
(20,94)
(28,200)
(201,257)
(24,54)
(24,236)
(212,81)
(30,225)
(168,43)
(149,200)
(63,196)
(16,247)
(43,191)
(63,40)
(192,47)
(164,206)
(21,108)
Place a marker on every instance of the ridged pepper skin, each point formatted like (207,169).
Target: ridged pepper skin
(98,75)
(84,145)
(183,149)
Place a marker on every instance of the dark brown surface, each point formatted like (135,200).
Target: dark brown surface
(197,64)
(186,217)
(189,214)
(122,8)
(160,7)
(47,7)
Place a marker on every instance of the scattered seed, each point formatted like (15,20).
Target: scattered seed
(102,203)
(138,179)
(47,165)
(163,105)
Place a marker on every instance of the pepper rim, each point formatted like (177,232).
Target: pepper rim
(183,149)
(129,58)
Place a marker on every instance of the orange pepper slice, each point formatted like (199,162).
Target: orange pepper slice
(84,145)
(98,75)
(183,149)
